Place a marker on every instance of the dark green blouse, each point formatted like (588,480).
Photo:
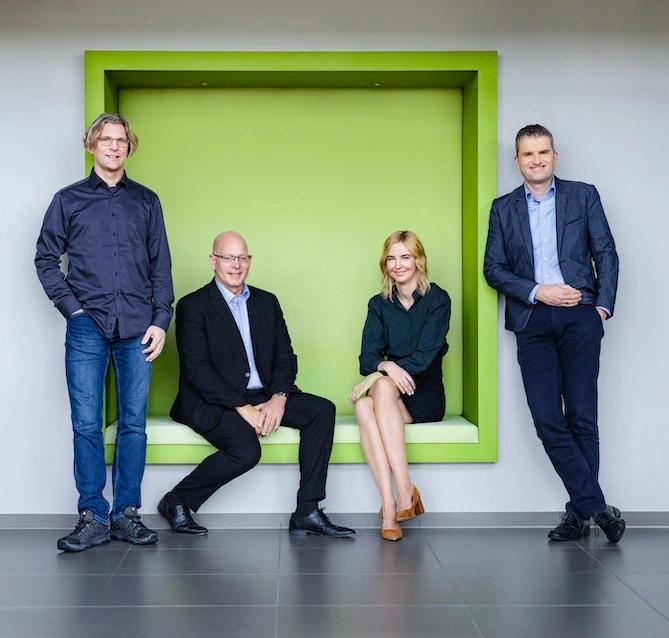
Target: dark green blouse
(412,338)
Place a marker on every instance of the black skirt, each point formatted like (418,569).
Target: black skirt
(428,402)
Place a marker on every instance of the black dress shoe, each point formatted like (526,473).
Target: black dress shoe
(317,523)
(180,518)
(571,528)
(611,522)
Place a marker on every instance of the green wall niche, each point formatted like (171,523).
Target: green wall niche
(315,180)
(315,158)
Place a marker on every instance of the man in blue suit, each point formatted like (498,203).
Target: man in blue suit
(551,253)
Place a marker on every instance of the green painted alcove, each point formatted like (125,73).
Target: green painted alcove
(316,158)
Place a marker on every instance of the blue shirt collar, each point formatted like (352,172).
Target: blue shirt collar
(95,180)
(549,193)
(230,296)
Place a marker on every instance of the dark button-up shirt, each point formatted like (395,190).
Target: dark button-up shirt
(412,338)
(119,268)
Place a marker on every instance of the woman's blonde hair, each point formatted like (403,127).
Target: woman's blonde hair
(92,134)
(411,241)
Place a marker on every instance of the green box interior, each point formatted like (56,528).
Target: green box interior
(316,158)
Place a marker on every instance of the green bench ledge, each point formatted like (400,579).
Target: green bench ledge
(169,442)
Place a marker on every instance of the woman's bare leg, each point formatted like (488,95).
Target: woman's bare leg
(375,453)
(391,416)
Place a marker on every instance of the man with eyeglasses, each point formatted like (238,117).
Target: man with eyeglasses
(117,300)
(236,383)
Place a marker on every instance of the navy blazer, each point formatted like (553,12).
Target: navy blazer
(586,250)
(213,367)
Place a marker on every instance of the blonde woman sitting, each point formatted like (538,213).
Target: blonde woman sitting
(403,344)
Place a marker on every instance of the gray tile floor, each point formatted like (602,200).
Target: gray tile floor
(257,583)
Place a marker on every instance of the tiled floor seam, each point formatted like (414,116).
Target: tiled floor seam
(615,575)
(457,591)
(107,585)
(278,584)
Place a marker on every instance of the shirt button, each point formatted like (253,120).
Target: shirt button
(545,258)
(247,374)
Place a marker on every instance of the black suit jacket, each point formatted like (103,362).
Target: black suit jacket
(213,367)
(586,250)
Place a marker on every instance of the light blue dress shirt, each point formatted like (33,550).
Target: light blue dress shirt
(237,305)
(543,227)
(544,239)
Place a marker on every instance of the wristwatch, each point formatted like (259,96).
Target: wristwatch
(281,394)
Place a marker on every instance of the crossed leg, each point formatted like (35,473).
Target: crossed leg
(381,417)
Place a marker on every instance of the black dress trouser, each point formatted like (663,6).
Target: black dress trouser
(558,352)
(239,450)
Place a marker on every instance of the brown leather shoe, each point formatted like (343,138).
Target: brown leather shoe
(416,508)
(390,533)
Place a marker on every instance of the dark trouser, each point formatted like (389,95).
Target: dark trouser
(239,450)
(558,352)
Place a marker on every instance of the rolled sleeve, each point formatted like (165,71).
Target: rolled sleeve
(373,342)
(161,269)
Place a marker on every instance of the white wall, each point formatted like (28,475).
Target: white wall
(596,73)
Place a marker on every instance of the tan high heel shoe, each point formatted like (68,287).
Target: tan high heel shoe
(416,508)
(390,533)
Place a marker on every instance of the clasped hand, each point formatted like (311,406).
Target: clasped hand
(403,380)
(400,377)
(362,387)
(266,417)
(561,295)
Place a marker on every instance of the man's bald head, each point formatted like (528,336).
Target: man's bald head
(230,260)
(230,242)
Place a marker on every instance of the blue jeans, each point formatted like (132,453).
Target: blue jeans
(87,354)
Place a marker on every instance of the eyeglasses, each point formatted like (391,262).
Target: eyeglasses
(228,259)
(108,141)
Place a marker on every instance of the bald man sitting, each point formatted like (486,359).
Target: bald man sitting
(237,383)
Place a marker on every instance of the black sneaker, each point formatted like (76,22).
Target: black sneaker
(129,527)
(611,522)
(87,533)
(571,528)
